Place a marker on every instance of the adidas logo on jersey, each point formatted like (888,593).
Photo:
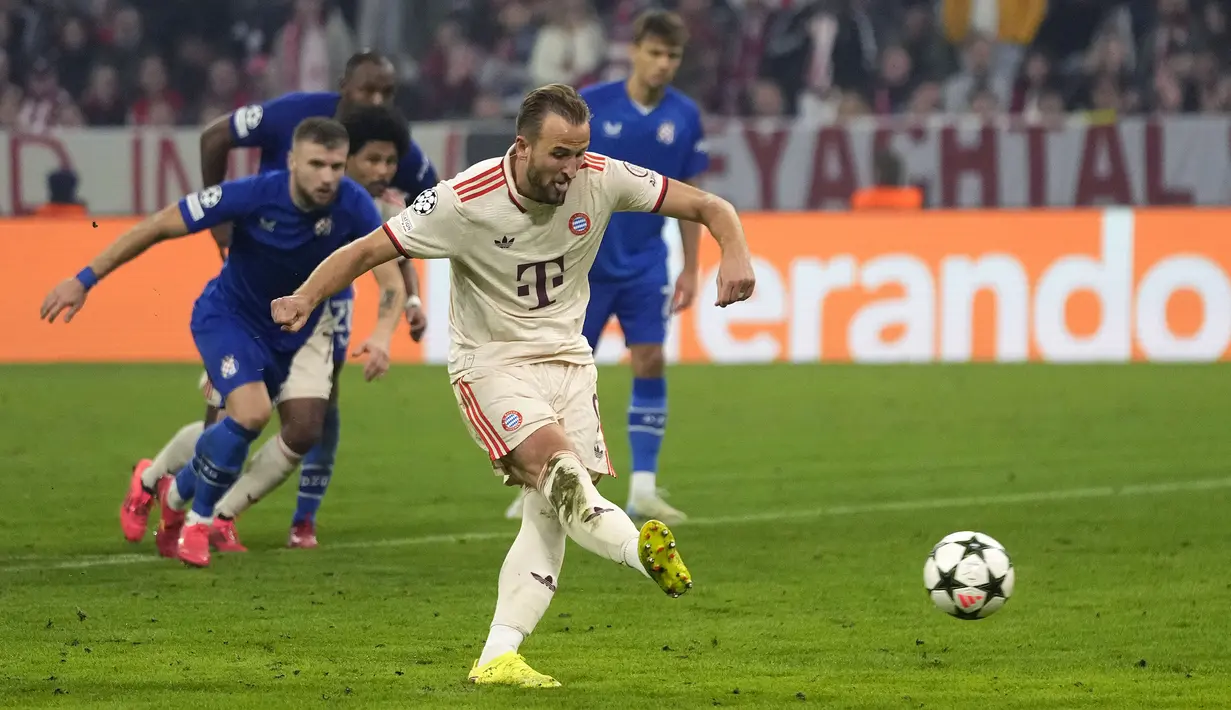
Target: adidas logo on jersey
(504,242)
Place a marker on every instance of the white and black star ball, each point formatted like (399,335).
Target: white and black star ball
(969,575)
(211,196)
(425,202)
(253,117)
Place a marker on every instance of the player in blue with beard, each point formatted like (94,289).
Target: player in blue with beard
(286,222)
(644,121)
(368,81)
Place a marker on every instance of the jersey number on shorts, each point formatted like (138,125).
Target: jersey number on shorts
(341,311)
(542,274)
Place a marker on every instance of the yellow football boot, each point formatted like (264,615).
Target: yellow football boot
(510,669)
(662,560)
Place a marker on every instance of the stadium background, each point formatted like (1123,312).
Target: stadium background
(1061,108)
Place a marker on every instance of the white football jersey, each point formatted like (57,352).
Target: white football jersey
(520,268)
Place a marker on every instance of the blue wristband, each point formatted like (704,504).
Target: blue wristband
(87,278)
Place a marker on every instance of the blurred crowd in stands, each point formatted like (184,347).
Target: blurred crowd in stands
(184,62)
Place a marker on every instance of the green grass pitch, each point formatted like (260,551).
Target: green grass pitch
(817,491)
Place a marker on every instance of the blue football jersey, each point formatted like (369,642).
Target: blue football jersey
(668,139)
(271,125)
(274,244)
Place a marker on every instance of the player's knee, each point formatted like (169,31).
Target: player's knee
(249,406)
(252,419)
(649,361)
(532,455)
(299,437)
(303,422)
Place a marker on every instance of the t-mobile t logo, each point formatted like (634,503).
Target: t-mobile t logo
(541,281)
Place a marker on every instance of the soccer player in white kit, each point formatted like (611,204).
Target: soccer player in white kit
(521,232)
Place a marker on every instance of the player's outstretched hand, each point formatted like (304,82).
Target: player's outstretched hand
(685,291)
(68,294)
(736,279)
(378,359)
(417,320)
(291,312)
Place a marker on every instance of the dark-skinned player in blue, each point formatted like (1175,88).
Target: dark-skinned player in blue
(368,81)
(286,222)
(647,122)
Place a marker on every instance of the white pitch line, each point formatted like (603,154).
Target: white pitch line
(1064,494)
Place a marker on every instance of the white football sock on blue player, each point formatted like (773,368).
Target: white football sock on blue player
(269,468)
(647,423)
(174,456)
(318,469)
(183,488)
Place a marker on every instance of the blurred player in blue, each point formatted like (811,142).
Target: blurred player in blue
(368,81)
(645,121)
(286,222)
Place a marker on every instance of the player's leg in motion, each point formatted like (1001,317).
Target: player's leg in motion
(303,400)
(528,580)
(318,464)
(272,464)
(147,474)
(314,481)
(243,370)
(143,487)
(598,313)
(220,454)
(643,309)
(547,460)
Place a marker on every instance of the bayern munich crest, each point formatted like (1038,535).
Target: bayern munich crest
(511,421)
(579,223)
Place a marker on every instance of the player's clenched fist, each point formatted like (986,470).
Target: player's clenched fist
(68,294)
(291,312)
(735,279)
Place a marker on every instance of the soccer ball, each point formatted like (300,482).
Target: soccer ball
(968,575)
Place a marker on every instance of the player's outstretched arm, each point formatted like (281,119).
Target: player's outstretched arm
(686,282)
(334,274)
(69,295)
(736,278)
(388,313)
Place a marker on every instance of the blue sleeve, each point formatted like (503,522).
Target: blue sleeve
(698,159)
(366,214)
(261,125)
(218,204)
(416,172)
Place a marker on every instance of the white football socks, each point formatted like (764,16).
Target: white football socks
(591,520)
(174,455)
(174,500)
(644,484)
(528,578)
(271,465)
(193,519)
